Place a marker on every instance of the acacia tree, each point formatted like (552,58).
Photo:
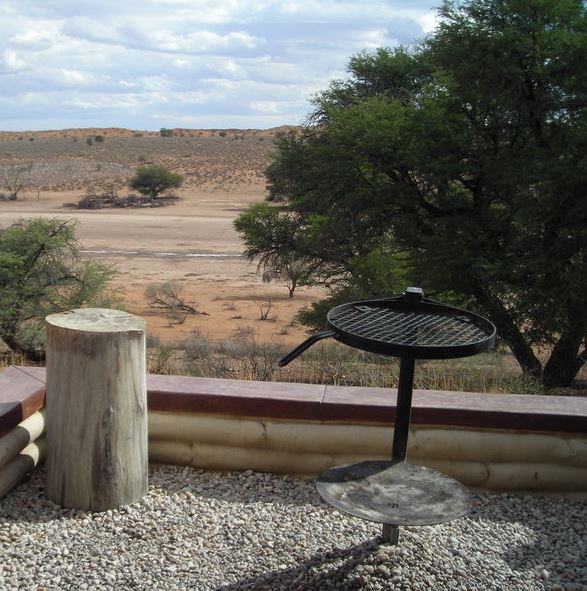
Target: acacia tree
(14,178)
(40,273)
(463,159)
(270,236)
(154,180)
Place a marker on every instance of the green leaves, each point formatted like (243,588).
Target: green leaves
(460,165)
(154,180)
(40,273)
(273,237)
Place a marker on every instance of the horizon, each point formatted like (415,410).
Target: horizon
(171,64)
(154,131)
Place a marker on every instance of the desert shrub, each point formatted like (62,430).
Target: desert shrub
(90,201)
(168,297)
(108,196)
(202,358)
(105,196)
(245,357)
(265,311)
(153,341)
(254,359)
(197,347)
(90,141)
(164,132)
(163,360)
(14,178)
(99,139)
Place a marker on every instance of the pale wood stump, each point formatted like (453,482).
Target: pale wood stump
(96,409)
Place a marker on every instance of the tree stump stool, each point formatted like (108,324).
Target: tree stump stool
(97,456)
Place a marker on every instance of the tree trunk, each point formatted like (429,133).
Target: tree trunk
(31,354)
(96,409)
(509,332)
(565,362)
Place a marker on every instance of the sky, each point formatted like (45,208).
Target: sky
(148,64)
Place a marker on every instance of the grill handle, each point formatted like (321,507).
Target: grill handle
(303,346)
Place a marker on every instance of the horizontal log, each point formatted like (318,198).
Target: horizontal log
(217,457)
(335,439)
(23,464)
(550,477)
(13,442)
(499,446)
(504,476)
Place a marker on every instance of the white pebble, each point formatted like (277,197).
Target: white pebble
(202,531)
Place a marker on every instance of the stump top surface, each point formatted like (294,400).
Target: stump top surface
(97,320)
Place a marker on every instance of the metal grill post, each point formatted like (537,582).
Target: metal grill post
(403,409)
(401,430)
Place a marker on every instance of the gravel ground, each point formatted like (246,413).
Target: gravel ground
(200,530)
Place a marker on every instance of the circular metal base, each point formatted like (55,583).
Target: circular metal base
(395,493)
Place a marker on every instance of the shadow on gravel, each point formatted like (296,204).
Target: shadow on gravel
(331,568)
(551,553)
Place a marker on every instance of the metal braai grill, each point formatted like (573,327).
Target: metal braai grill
(410,327)
(427,329)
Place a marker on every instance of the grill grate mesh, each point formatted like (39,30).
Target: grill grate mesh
(396,327)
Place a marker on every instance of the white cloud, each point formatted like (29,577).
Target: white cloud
(182,63)
(93,30)
(203,41)
(40,36)
(428,21)
(265,106)
(128,101)
(148,63)
(12,61)
(74,77)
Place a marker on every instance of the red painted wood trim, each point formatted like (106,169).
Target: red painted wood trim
(463,409)
(21,395)
(322,403)
(234,397)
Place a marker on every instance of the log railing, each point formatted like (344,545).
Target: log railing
(493,441)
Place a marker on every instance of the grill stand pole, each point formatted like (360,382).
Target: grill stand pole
(401,430)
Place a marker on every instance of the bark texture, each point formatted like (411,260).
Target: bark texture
(96,409)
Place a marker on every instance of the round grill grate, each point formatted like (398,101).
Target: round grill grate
(409,328)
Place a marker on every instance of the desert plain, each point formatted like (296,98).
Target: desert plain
(191,241)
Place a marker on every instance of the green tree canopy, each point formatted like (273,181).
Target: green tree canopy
(459,165)
(271,237)
(153,180)
(40,273)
